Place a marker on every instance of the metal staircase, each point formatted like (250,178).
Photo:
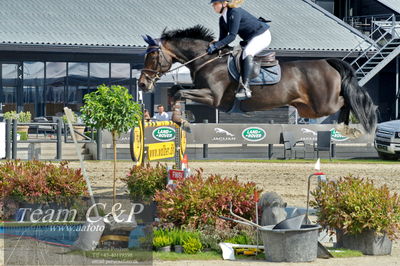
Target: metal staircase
(376,51)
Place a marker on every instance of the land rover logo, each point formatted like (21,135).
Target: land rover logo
(337,136)
(163,134)
(254,134)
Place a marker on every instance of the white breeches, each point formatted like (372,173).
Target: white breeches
(257,44)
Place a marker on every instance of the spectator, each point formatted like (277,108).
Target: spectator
(162,115)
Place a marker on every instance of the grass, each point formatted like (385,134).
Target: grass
(344,253)
(208,255)
(128,254)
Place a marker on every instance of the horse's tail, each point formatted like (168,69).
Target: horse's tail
(357,99)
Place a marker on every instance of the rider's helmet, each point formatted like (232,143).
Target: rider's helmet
(213,1)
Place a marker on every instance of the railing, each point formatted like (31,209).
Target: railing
(57,128)
(368,24)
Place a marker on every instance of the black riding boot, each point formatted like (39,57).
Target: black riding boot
(247,66)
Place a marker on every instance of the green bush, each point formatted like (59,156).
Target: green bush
(196,201)
(143,181)
(22,117)
(39,182)
(161,241)
(192,245)
(355,205)
(242,239)
(177,236)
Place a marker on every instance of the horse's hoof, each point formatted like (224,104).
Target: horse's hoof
(186,126)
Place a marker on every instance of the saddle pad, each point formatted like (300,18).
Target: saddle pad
(267,76)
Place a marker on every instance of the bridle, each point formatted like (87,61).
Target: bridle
(159,73)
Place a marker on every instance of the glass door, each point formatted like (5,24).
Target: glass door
(10,87)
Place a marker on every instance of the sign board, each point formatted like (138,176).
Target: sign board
(264,133)
(2,140)
(176,174)
(161,150)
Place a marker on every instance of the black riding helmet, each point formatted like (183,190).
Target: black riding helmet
(213,1)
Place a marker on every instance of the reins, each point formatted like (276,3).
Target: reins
(159,74)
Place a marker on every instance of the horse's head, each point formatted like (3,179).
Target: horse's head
(158,60)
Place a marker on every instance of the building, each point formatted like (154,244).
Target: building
(53,52)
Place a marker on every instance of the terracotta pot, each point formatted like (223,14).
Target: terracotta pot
(23,132)
(81,130)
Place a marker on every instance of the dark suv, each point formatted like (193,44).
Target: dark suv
(387,140)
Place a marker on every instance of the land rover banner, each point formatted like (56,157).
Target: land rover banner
(264,133)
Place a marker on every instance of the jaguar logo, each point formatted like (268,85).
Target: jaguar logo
(223,131)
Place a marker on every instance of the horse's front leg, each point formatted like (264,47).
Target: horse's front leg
(204,96)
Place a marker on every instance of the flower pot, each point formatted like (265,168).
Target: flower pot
(368,242)
(23,132)
(81,130)
(165,249)
(178,249)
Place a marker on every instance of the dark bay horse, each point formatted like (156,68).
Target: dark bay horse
(315,87)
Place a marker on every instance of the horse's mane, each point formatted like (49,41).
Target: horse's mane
(198,32)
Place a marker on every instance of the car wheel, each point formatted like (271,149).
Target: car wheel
(386,156)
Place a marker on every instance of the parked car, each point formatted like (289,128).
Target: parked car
(387,140)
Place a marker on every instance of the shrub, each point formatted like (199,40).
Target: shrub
(38,182)
(196,201)
(22,117)
(143,181)
(161,241)
(355,205)
(192,245)
(177,236)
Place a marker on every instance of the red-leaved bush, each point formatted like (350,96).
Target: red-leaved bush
(197,201)
(39,182)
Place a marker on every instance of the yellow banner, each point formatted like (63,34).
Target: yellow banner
(161,150)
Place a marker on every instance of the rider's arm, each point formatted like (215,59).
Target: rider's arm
(223,32)
(233,26)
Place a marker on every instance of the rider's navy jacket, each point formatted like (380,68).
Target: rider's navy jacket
(239,22)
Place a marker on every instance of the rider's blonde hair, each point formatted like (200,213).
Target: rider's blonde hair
(235,3)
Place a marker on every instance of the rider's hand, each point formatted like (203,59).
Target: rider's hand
(211,48)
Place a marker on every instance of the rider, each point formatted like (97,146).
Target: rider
(233,21)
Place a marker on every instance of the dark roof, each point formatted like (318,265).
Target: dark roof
(297,25)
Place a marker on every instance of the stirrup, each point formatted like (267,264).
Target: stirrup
(243,94)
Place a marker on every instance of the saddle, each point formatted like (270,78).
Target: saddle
(266,69)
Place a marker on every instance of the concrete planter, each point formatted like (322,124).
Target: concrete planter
(178,249)
(368,242)
(291,245)
(164,249)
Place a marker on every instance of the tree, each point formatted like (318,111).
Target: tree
(111,108)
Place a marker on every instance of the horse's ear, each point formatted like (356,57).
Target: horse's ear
(149,40)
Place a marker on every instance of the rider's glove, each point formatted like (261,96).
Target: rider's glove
(211,48)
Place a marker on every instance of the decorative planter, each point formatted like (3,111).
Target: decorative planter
(178,249)
(165,249)
(368,242)
(23,132)
(291,245)
(81,130)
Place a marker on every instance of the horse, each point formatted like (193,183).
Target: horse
(316,88)
(273,208)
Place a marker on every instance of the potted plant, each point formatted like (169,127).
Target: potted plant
(111,108)
(77,128)
(162,243)
(22,117)
(366,218)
